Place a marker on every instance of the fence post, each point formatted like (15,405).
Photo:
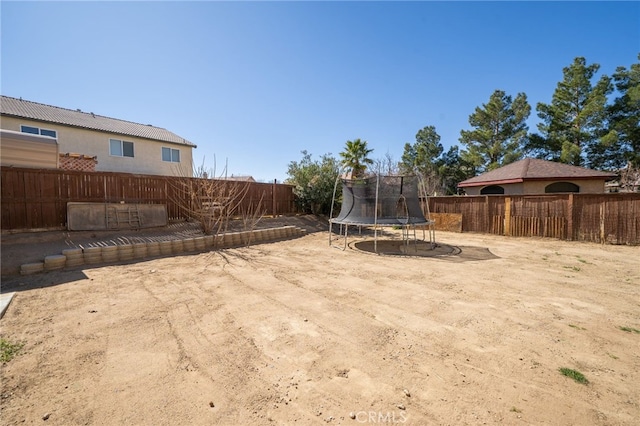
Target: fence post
(602,217)
(487,224)
(507,216)
(570,218)
(273,196)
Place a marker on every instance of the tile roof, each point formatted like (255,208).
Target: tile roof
(534,169)
(32,110)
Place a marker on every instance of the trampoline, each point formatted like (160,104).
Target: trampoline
(382,201)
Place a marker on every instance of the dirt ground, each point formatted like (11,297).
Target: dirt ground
(299,332)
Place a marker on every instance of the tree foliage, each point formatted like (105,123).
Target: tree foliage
(314,181)
(453,169)
(573,127)
(624,117)
(355,157)
(422,158)
(422,155)
(439,171)
(584,125)
(499,134)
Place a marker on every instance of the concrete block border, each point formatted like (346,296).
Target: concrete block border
(73,258)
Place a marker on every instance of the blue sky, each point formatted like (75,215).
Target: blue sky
(255,83)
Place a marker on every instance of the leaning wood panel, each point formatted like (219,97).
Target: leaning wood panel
(450,222)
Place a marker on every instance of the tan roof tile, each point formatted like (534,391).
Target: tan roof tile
(534,169)
(32,110)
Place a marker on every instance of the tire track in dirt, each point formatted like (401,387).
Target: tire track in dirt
(380,339)
(193,325)
(382,302)
(474,343)
(324,360)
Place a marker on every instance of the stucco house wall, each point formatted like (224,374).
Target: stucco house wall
(538,187)
(147,154)
(512,189)
(586,186)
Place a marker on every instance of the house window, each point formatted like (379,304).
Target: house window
(119,148)
(170,155)
(492,190)
(39,131)
(561,187)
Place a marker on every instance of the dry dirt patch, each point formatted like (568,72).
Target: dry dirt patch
(297,332)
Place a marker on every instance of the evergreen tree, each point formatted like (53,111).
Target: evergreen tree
(500,132)
(356,157)
(624,118)
(421,158)
(423,155)
(440,171)
(573,125)
(453,170)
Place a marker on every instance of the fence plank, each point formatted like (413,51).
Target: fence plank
(609,218)
(37,198)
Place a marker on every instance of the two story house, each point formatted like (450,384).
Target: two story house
(31,131)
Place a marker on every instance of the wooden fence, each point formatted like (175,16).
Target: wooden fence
(602,218)
(37,198)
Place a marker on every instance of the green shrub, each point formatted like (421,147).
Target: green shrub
(575,375)
(8,350)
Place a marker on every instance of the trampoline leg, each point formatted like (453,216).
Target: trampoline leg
(375,238)
(346,227)
(432,235)
(415,238)
(346,232)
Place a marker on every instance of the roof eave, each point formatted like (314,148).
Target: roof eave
(185,143)
(520,180)
(490,182)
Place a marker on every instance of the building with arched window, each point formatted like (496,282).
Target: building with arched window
(533,176)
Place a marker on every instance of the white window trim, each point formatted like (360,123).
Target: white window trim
(40,129)
(121,148)
(171,151)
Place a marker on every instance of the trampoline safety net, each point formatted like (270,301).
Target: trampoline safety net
(381,200)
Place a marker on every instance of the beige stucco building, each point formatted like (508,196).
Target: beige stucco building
(116,145)
(532,176)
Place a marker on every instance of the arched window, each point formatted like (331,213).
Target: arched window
(492,190)
(561,187)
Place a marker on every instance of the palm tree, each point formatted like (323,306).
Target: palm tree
(355,157)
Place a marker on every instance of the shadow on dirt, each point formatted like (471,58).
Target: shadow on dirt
(423,249)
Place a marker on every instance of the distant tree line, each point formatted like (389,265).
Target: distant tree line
(594,124)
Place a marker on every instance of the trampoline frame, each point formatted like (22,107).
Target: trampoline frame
(407,228)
